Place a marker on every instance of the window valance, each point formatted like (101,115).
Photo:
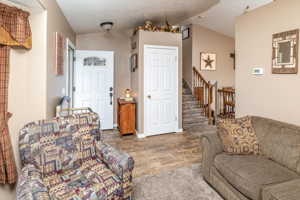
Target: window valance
(14,27)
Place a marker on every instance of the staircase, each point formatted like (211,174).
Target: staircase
(193,115)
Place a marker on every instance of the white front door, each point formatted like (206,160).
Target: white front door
(94,73)
(160,89)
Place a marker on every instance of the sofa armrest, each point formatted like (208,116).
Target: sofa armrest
(119,162)
(30,185)
(211,146)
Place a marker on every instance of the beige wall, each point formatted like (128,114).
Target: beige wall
(56,22)
(135,82)
(28,78)
(27,87)
(120,44)
(187,60)
(271,95)
(162,39)
(205,40)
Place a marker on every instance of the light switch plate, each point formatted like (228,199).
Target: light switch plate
(63,91)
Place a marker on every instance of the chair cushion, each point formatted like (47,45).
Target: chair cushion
(93,180)
(250,173)
(61,143)
(57,149)
(238,136)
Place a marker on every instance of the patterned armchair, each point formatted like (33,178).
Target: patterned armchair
(64,158)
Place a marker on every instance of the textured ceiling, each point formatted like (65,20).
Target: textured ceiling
(221,17)
(85,15)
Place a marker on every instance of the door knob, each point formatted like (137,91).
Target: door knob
(149,96)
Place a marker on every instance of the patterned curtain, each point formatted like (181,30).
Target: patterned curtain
(14,32)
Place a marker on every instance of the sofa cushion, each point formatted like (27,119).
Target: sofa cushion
(279,141)
(238,136)
(250,173)
(93,180)
(289,190)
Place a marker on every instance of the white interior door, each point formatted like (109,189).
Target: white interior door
(160,89)
(94,73)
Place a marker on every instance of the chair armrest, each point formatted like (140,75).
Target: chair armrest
(30,185)
(119,162)
(211,146)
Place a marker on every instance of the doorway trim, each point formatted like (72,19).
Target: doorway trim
(176,129)
(70,71)
(111,90)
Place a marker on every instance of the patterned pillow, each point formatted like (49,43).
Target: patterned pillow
(238,136)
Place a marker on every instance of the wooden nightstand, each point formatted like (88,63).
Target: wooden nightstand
(126,116)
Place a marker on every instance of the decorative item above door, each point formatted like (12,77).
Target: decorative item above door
(285,52)
(208,61)
(149,26)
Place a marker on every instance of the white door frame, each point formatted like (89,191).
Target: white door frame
(70,72)
(176,95)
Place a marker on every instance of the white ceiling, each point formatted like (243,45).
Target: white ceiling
(85,15)
(221,17)
(29,5)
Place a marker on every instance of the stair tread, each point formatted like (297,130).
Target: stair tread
(192,121)
(190,117)
(192,113)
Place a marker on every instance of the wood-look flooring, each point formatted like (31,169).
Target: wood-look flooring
(157,153)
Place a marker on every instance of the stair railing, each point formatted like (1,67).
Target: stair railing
(226,101)
(203,91)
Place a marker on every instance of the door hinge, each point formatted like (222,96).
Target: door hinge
(74,89)
(74,59)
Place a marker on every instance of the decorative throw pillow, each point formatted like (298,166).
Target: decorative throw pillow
(238,136)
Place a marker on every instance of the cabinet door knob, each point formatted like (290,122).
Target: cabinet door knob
(149,96)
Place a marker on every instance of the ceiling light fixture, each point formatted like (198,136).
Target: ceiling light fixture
(247,9)
(107,26)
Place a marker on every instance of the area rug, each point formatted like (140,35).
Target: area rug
(180,184)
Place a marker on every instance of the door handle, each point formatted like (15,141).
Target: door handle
(110,95)
(149,96)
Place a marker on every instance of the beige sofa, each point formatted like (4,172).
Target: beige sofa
(273,176)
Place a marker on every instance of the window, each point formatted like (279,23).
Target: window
(94,61)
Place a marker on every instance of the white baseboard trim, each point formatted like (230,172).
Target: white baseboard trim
(141,135)
(179,130)
(144,135)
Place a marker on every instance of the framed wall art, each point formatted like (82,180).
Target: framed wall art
(186,33)
(134,62)
(60,50)
(208,61)
(285,52)
(133,45)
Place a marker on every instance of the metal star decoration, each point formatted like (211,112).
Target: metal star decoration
(208,62)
